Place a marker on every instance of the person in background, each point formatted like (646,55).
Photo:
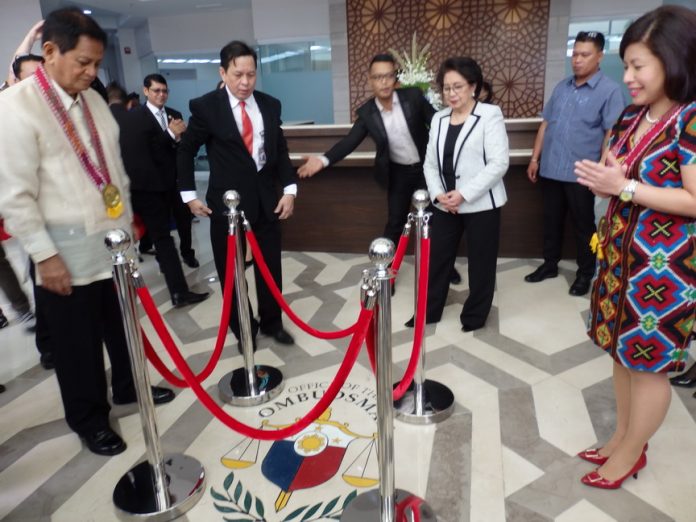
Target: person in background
(23,62)
(577,120)
(466,159)
(397,120)
(642,304)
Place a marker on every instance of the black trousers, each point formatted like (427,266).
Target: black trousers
(43,335)
(482,231)
(79,325)
(269,237)
(10,285)
(558,198)
(404,180)
(182,218)
(155,209)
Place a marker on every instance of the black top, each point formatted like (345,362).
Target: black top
(448,155)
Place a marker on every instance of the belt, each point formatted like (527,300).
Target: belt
(418,165)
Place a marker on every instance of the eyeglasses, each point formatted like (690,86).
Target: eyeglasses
(383,77)
(159,91)
(459,87)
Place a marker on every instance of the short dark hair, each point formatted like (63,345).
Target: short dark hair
(133,96)
(383,57)
(669,33)
(116,93)
(64,27)
(234,50)
(150,78)
(22,58)
(595,37)
(485,85)
(465,66)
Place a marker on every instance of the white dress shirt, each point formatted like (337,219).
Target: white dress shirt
(158,114)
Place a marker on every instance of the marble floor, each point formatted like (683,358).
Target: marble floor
(530,391)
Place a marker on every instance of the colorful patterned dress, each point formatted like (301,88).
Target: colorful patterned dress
(644,297)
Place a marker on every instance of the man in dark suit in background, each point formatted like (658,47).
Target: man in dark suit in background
(247,152)
(148,147)
(397,120)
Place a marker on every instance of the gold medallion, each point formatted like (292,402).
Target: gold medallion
(603,229)
(112,200)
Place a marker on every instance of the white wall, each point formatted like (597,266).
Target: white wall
(18,16)
(130,63)
(594,9)
(200,32)
(286,21)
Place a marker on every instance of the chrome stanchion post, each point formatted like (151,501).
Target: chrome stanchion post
(379,505)
(253,384)
(426,401)
(158,488)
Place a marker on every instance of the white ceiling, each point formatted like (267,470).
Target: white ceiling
(130,10)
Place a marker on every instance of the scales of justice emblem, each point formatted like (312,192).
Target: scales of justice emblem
(310,457)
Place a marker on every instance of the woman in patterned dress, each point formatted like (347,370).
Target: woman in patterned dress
(644,297)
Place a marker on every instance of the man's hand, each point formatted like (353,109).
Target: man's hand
(55,276)
(285,206)
(177,126)
(311,166)
(198,208)
(533,171)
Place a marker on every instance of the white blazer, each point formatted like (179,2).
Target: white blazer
(481,158)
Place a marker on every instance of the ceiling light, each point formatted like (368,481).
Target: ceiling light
(87,11)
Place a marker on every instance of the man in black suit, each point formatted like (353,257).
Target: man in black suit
(247,152)
(149,137)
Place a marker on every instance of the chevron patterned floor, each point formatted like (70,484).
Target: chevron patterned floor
(530,390)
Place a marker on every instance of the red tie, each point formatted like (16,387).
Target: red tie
(247,129)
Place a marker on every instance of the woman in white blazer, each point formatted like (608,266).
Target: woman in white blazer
(466,159)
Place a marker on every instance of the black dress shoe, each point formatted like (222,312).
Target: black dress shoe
(2,388)
(281,336)
(160,395)
(191,261)
(455,277)
(180,299)
(46,361)
(410,323)
(580,286)
(239,346)
(471,328)
(545,271)
(686,379)
(104,442)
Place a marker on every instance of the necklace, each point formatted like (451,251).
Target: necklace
(649,119)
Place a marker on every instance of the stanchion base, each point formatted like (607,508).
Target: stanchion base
(367,507)
(134,495)
(233,386)
(437,406)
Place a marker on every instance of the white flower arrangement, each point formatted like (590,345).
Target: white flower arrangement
(414,71)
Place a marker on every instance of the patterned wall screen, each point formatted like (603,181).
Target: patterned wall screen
(506,37)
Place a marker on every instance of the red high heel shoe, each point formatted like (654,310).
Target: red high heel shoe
(595,480)
(592,455)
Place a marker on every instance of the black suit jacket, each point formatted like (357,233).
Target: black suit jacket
(149,153)
(418,113)
(231,166)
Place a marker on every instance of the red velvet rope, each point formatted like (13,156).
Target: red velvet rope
(319,408)
(370,342)
(163,333)
(273,287)
(419,321)
(399,254)
(411,502)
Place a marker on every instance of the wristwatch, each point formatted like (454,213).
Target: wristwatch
(629,190)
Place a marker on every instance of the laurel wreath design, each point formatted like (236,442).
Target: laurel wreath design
(239,504)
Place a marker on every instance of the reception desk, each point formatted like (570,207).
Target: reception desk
(342,208)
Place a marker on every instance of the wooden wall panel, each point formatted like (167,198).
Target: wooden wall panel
(506,37)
